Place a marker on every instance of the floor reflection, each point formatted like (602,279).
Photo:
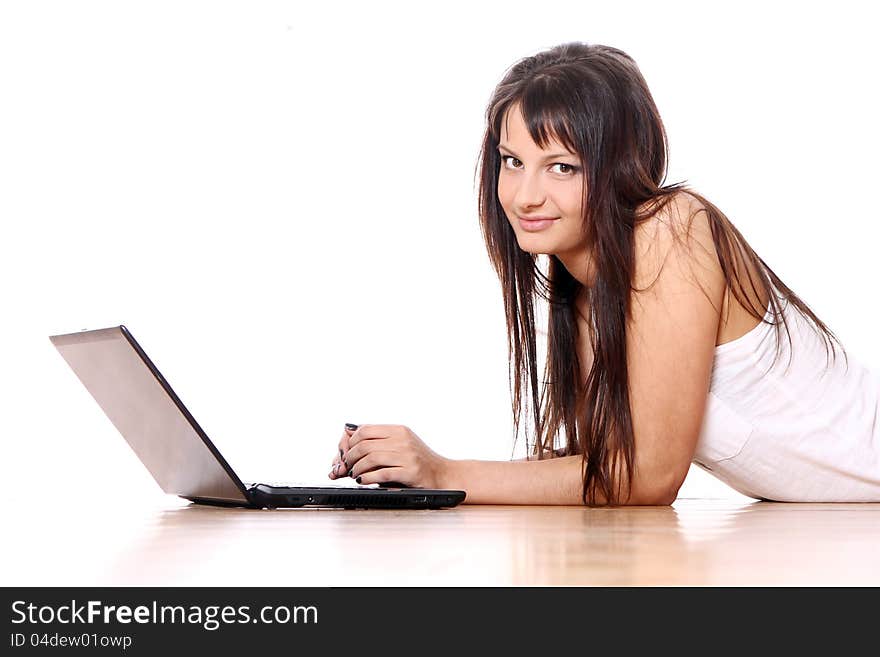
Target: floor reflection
(694,542)
(583,546)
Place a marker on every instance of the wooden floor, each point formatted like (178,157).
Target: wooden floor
(695,542)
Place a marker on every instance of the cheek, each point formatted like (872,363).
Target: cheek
(572,200)
(504,193)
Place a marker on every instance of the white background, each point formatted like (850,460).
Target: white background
(279,200)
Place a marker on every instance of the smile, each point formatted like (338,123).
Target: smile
(534,225)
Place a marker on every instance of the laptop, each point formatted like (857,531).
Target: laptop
(140,403)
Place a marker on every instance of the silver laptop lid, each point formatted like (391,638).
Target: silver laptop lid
(151,418)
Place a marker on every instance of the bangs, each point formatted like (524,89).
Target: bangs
(547,111)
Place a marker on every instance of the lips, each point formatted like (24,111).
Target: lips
(534,224)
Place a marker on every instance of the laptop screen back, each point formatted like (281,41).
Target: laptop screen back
(142,406)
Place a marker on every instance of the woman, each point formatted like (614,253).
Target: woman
(665,328)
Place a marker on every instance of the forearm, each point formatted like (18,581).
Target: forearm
(553,481)
(549,481)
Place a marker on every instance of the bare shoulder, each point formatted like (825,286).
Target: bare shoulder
(679,230)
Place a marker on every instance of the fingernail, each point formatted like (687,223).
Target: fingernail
(358,480)
(350,426)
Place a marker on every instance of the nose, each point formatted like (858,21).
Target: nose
(530,192)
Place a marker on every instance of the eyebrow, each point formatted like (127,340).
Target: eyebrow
(548,157)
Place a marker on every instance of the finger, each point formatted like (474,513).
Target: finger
(365,447)
(382,475)
(336,470)
(373,461)
(370,431)
(338,467)
(345,463)
(343,443)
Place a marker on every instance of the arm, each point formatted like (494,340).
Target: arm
(555,481)
(671,333)
(675,312)
(670,344)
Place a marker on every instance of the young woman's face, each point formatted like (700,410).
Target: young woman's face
(535,182)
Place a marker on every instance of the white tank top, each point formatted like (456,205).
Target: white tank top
(809,434)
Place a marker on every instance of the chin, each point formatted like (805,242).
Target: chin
(534,244)
(537,251)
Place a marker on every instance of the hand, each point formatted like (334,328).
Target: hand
(376,453)
(340,469)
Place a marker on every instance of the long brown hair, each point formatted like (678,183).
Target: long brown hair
(594,100)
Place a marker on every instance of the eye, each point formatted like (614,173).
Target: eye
(570,168)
